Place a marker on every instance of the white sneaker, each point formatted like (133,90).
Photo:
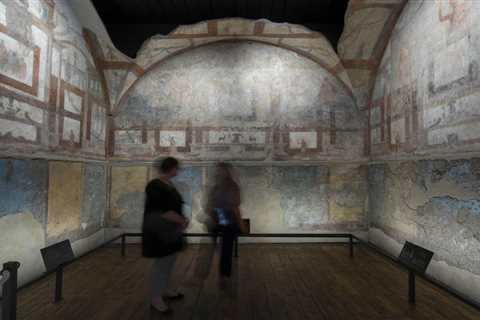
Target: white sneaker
(160,305)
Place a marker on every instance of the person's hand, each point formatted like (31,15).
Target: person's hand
(243,228)
(185,223)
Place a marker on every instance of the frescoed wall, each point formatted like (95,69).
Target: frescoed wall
(274,198)
(44,202)
(368,25)
(427,92)
(52,106)
(435,204)
(238,101)
(51,97)
(425,105)
(184,38)
(299,122)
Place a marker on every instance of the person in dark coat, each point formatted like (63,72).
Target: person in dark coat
(163,225)
(224,204)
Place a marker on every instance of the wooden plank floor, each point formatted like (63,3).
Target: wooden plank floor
(270,281)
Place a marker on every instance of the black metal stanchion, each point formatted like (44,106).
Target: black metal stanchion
(9,292)
(123,245)
(411,286)
(350,239)
(59,284)
(236,246)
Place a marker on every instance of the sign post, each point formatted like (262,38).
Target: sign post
(416,259)
(55,258)
(9,291)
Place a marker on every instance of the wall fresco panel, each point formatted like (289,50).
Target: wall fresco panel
(64,197)
(127,196)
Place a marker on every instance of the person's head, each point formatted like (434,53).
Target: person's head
(167,167)
(223,171)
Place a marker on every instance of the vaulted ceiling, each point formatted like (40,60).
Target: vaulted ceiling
(131,22)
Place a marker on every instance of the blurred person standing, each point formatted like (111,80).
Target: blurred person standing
(224,204)
(162,229)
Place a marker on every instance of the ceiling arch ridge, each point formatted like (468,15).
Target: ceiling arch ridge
(297,38)
(276,97)
(368,26)
(332,70)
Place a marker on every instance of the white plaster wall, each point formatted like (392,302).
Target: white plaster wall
(465,282)
(21,238)
(89,18)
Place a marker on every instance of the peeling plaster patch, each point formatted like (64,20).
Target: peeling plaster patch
(434,203)
(21,238)
(304,195)
(348,193)
(455,220)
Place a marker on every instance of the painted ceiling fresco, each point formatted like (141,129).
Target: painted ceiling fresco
(240,100)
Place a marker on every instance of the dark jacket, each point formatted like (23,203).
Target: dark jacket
(160,198)
(226,195)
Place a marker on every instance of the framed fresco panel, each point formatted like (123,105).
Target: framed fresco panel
(303,139)
(3,14)
(174,138)
(19,64)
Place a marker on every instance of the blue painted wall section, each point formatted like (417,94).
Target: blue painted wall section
(435,203)
(188,182)
(304,195)
(23,187)
(94,198)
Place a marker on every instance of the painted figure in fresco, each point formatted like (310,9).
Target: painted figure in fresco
(237,137)
(457,11)
(171,139)
(163,225)
(12,62)
(224,207)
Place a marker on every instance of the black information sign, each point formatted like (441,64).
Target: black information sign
(57,254)
(415,258)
